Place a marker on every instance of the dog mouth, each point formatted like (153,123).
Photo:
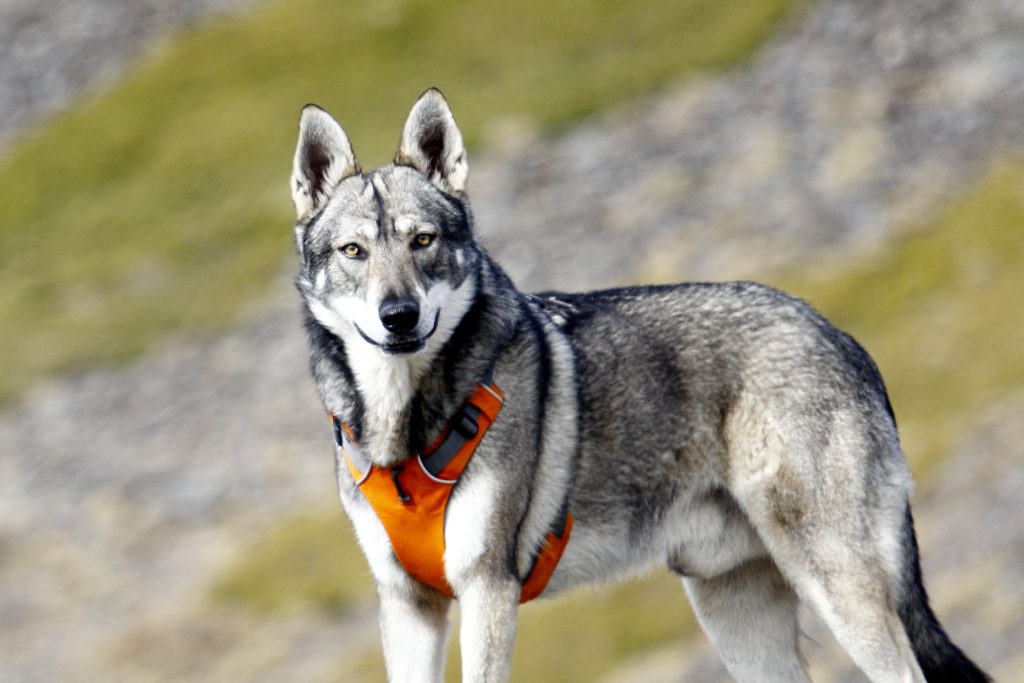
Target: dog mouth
(400,345)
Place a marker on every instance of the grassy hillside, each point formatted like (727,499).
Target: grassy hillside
(161,204)
(940,311)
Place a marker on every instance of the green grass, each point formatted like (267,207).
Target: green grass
(311,561)
(940,311)
(585,634)
(161,205)
(579,637)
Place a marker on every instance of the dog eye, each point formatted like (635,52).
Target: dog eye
(424,239)
(352,250)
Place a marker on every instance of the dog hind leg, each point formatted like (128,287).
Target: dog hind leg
(749,615)
(844,578)
(857,608)
(829,510)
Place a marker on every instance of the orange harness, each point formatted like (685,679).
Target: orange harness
(411,498)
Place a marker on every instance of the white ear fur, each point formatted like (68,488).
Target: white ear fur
(432,144)
(323,158)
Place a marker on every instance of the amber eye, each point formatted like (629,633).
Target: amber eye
(352,250)
(424,239)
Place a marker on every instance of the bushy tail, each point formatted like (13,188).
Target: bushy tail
(940,660)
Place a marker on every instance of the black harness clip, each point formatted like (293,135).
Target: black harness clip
(402,495)
(466,425)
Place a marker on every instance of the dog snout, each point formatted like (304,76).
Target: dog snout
(399,316)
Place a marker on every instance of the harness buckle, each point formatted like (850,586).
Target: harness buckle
(466,426)
(402,495)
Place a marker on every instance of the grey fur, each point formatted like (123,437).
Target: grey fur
(727,431)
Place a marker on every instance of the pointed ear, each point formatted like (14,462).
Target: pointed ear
(323,158)
(432,143)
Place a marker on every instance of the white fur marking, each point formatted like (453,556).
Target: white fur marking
(385,381)
(465,531)
(372,537)
(407,225)
(368,230)
(404,225)
(352,454)
(451,305)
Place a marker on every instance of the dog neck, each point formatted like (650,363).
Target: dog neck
(386,385)
(397,404)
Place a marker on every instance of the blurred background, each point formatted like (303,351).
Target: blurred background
(167,496)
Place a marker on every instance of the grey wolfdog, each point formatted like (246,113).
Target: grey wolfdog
(726,431)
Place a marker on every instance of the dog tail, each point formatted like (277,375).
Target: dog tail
(939,659)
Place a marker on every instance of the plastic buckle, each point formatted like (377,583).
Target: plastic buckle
(402,495)
(466,426)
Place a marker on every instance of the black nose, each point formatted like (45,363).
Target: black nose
(399,316)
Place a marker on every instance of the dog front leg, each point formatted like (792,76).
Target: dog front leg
(489,608)
(414,628)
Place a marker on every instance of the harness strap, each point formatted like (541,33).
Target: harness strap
(411,499)
(463,428)
(548,557)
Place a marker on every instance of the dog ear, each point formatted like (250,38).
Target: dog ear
(323,158)
(432,144)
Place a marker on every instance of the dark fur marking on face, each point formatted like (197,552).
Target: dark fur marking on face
(327,347)
(383,223)
(470,327)
(314,219)
(437,268)
(462,223)
(317,259)
(311,260)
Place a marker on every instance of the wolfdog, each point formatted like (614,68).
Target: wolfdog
(493,446)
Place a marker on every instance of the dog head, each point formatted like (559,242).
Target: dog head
(388,258)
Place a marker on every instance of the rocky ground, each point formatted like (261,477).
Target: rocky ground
(53,50)
(859,120)
(122,492)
